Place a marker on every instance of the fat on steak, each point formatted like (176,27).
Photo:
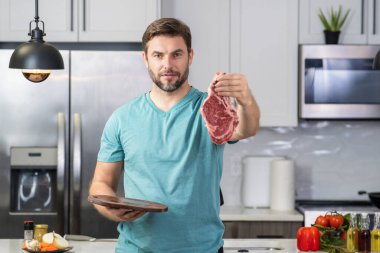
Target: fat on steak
(219,114)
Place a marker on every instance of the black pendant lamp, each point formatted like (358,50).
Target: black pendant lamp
(36,57)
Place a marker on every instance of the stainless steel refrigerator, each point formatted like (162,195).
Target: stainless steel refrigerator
(50,135)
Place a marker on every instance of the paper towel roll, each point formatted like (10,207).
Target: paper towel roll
(256,181)
(282,185)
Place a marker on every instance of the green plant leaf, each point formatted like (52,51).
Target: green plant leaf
(324,21)
(344,19)
(335,20)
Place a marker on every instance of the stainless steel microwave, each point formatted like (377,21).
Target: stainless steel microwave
(339,82)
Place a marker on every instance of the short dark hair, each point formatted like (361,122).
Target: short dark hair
(167,27)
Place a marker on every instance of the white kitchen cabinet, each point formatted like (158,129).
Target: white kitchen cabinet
(79,20)
(255,37)
(361,27)
(264,47)
(374,22)
(209,24)
(59,17)
(115,20)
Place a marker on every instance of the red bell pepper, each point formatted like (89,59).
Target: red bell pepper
(308,238)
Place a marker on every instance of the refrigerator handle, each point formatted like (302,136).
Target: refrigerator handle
(76,176)
(61,158)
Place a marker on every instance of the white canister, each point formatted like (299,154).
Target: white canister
(256,181)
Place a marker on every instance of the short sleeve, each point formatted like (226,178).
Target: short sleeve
(111,149)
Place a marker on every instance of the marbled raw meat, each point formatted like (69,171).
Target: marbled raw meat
(220,115)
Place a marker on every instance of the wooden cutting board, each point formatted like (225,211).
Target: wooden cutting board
(128,203)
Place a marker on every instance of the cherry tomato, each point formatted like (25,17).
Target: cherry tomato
(336,221)
(322,221)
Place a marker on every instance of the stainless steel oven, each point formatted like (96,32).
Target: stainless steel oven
(339,82)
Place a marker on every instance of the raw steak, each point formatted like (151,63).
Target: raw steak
(219,114)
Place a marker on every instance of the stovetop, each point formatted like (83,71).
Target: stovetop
(312,209)
(338,205)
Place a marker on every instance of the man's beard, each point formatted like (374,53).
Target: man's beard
(169,87)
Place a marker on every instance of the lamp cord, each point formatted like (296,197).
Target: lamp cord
(36,18)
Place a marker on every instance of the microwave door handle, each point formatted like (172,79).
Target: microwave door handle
(61,164)
(75,191)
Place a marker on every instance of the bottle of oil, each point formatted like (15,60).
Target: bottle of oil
(375,234)
(364,244)
(352,234)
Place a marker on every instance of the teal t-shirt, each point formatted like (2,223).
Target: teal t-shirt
(168,158)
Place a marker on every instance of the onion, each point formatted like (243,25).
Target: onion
(48,238)
(60,243)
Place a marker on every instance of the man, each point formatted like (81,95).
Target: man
(161,142)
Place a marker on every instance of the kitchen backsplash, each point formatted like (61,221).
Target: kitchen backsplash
(333,159)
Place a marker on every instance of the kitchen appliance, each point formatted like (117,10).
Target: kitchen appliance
(374,197)
(339,82)
(256,181)
(312,209)
(33,179)
(50,136)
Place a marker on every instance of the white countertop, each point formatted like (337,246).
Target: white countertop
(240,213)
(230,245)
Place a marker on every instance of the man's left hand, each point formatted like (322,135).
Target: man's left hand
(234,85)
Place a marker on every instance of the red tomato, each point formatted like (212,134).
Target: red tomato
(336,221)
(322,221)
(328,217)
(308,238)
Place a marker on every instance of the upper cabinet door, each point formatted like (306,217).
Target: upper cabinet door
(264,47)
(210,40)
(59,16)
(79,20)
(354,31)
(116,20)
(374,22)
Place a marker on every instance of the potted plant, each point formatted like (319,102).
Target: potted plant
(333,24)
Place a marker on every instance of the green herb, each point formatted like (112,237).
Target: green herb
(336,19)
(331,238)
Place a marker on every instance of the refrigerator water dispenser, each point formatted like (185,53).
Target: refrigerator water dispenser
(33,179)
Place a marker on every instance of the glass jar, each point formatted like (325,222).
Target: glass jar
(39,231)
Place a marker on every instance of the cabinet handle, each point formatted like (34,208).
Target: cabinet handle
(84,15)
(374,17)
(72,15)
(362,28)
(269,236)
